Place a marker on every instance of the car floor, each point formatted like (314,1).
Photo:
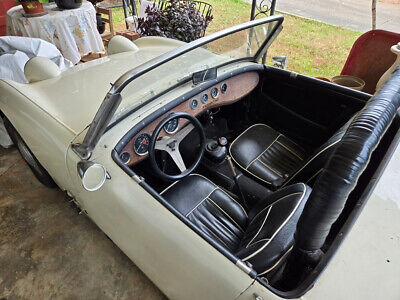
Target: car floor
(48,250)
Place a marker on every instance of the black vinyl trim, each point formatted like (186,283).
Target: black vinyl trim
(358,96)
(309,282)
(293,113)
(146,121)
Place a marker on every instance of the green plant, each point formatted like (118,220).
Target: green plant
(179,20)
(41,1)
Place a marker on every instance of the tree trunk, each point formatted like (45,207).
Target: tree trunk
(373,14)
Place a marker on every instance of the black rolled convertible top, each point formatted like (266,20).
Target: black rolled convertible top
(345,166)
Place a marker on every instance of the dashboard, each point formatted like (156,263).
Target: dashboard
(221,94)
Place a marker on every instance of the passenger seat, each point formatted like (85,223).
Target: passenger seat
(275,159)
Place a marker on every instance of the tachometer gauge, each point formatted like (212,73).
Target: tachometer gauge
(172,126)
(141,144)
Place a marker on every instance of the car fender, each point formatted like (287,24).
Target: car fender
(45,136)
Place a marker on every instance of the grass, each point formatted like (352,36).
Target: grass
(314,48)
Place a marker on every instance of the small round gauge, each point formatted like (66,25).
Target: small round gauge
(125,157)
(204,98)
(193,104)
(224,88)
(141,144)
(172,126)
(214,93)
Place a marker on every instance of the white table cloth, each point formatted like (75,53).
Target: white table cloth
(73,31)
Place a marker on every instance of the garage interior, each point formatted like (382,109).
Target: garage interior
(47,247)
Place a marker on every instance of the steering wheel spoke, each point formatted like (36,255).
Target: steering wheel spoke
(177,158)
(171,146)
(181,134)
(162,144)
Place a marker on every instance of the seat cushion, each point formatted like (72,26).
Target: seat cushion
(209,208)
(269,235)
(267,154)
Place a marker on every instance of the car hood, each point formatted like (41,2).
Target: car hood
(74,97)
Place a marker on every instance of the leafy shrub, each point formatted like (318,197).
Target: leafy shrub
(179,20)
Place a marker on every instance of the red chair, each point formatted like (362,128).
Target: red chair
(5,5)
(370,57)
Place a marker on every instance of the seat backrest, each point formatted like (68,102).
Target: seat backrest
(270,228)
(314,165)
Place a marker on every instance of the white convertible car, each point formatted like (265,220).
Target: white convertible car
(220,177)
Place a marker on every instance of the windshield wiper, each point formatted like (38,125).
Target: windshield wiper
(205,75)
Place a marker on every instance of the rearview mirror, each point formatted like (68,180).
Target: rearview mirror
(93,175)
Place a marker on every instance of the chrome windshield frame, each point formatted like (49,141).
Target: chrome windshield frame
(113,97)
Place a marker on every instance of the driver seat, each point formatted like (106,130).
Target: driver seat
(263,236)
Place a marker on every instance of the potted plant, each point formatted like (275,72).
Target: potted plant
(32,7)
(179,20)
(68,4)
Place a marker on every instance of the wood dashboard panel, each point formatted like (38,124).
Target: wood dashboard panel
(237,87)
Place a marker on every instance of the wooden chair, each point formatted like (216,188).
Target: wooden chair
(108,19)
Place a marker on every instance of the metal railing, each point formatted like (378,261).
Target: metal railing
(265,7)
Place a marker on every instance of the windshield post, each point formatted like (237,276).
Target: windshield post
(99,124)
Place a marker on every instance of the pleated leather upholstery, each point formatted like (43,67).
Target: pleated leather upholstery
(278,161)
(210,208)
(263,236)
(267,154)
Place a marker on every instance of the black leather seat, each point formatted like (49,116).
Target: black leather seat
(262,236)
(276,160)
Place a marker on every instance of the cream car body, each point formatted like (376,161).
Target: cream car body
(52,115)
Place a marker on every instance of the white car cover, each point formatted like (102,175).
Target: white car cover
(16,51)
(14,54)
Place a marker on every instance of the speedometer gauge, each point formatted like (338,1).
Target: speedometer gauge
(141,144)
(172,126)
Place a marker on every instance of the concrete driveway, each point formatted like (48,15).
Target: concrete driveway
(352,14)
(49,251)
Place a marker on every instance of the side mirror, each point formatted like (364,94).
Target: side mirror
(93,175)
(280,61)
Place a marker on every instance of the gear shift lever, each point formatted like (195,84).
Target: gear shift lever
(235,178)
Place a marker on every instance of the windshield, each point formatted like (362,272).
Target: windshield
(244,44)
(135,88)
